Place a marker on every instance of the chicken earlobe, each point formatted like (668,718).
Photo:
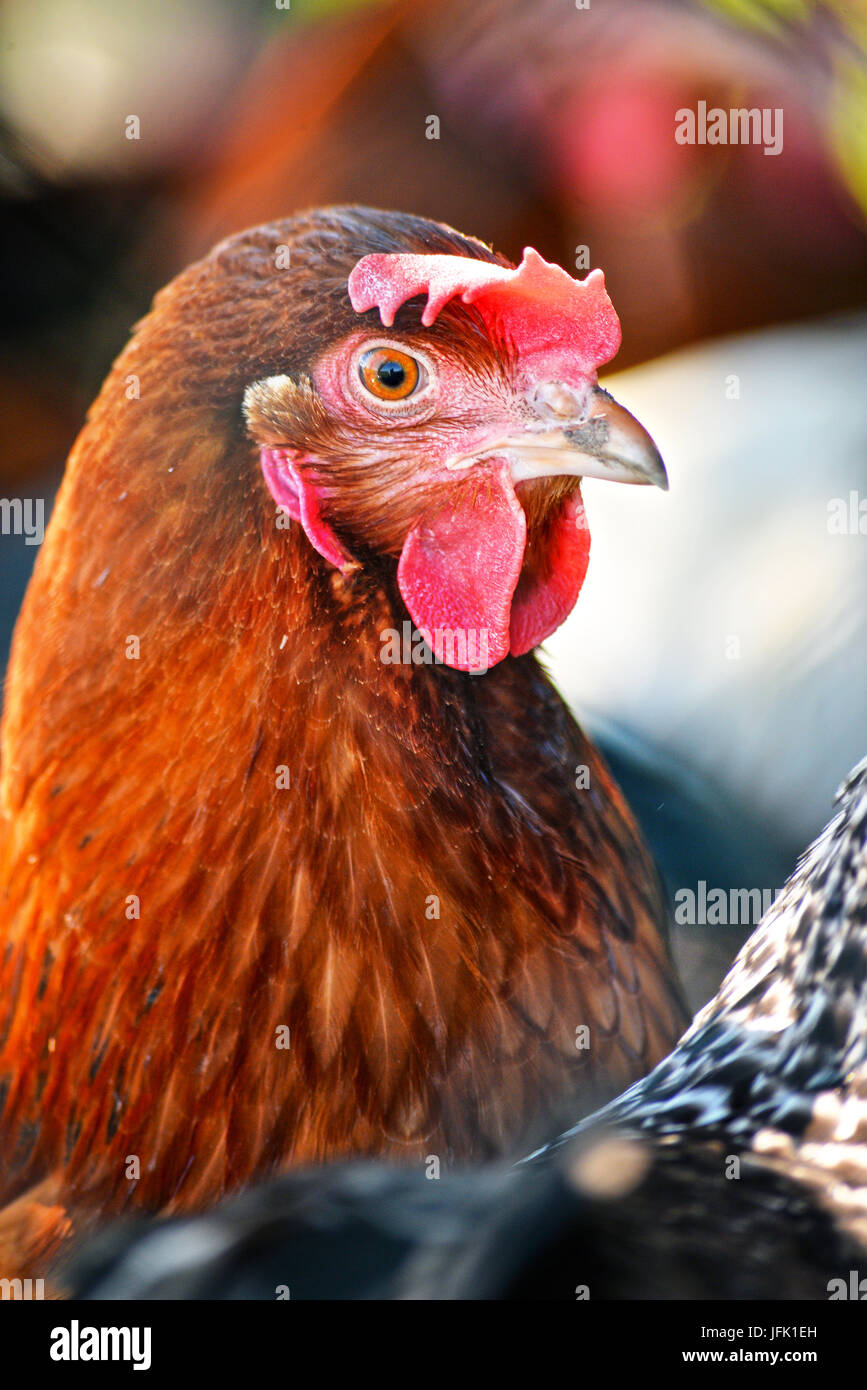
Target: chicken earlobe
(295,491)
(290,471)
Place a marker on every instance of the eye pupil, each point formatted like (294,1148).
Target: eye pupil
(391,374)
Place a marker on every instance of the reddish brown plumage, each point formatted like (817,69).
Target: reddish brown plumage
(263,906)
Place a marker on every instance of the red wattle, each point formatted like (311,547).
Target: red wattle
(544,600)
(460,572)
(459,567)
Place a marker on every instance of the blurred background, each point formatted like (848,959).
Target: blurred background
(719,650)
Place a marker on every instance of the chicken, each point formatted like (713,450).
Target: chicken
(737,1169)
(285,880)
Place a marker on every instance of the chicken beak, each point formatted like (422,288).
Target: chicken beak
(589,437)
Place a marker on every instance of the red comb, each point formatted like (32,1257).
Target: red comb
(544,312)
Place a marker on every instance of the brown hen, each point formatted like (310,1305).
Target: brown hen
(272,891)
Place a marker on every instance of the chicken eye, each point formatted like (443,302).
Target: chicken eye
(389,374)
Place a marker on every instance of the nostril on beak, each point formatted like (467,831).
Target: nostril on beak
(554,400)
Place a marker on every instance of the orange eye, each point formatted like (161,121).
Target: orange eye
(389,374)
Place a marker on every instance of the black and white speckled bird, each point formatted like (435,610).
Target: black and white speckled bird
(736,1169)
